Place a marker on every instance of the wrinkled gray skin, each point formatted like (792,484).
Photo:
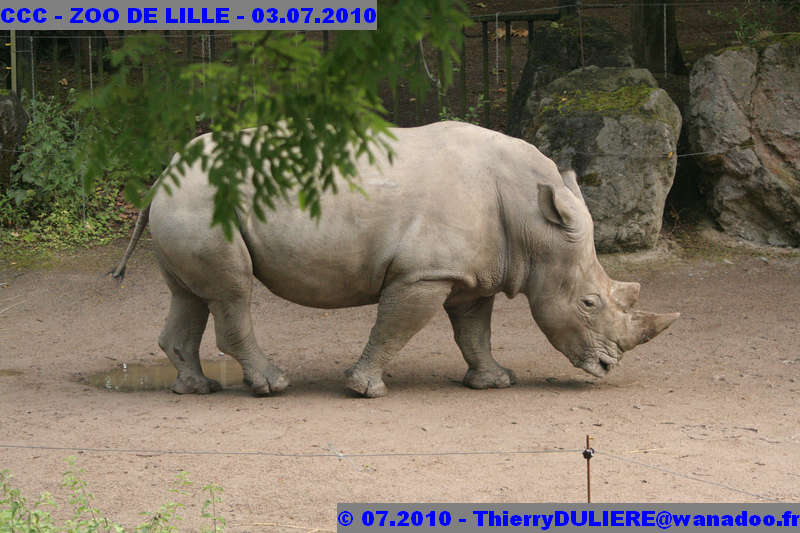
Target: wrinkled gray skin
(462,214)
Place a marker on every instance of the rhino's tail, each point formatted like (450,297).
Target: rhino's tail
(141,223)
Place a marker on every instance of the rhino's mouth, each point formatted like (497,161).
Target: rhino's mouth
(600,362)
(599,367)
(607,362)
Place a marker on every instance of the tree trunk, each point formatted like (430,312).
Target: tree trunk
(647,28)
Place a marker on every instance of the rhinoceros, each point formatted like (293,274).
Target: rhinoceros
(461,214)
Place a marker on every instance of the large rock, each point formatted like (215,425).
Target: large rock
(619,132)
(557,51)
(744,110)
(13,121)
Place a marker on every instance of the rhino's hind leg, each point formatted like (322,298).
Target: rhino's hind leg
(180,340)
(403,310)
(234,329)
(472,328)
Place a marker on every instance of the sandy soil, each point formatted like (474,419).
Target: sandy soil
(713,399)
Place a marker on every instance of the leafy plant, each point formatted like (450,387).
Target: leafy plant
(17,515)
(47,202)
(752,21)
(471,115)
(161,521)
(210,508)
(85,517)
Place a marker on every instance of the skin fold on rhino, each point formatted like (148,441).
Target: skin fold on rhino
(461,214)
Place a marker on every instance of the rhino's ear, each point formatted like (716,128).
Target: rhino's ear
(555,205)
(571,181)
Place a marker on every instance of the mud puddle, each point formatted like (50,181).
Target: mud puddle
(135,377)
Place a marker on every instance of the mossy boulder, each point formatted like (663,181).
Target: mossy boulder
(619,132)
(744,119)
(557,51)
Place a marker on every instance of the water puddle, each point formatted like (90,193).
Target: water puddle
(4,373)
(132,378)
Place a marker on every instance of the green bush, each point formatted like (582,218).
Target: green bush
(46,202)
(471,115)
(19,516)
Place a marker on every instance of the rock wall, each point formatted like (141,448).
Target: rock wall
(744,110)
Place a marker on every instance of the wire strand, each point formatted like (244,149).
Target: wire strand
(340,455)
(685,476)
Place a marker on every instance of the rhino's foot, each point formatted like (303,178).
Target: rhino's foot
(265,381)
(190,384)
(369,385)
(494,378)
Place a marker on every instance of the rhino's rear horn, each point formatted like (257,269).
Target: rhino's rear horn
(625,294)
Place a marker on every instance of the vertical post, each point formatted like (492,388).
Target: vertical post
(588,453)
(189,47)
(439,85)
(13,45)
(91,75)
(567,7)
(395,102)
(24,67)
(100,55)
(508,71)
(33,69)
(486,100)
(530,37)
(418,96)
(580,30)
(76,49)
(463,75)
(666,74)
(54,52)
(212,46)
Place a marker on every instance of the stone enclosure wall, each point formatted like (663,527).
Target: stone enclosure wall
(619,131)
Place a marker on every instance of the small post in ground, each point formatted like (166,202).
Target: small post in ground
(588,453)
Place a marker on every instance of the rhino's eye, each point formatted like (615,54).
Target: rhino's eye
(590,302)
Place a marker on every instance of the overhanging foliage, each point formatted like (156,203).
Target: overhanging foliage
(315,111)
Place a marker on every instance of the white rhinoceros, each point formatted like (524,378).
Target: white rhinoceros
(462,213)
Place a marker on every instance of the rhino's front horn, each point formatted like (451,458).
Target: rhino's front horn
(645,326)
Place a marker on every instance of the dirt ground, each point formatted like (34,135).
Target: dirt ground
(713,400)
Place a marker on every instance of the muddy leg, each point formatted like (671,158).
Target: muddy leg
(234,329)
(180,340)
(403,310)
(472,328)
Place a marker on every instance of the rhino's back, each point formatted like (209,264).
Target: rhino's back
(431,214)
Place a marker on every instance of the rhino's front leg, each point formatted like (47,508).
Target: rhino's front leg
(472,328)
(403,310)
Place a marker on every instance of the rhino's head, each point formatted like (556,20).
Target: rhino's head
(585,314)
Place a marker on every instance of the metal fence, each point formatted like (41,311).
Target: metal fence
(484,82)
